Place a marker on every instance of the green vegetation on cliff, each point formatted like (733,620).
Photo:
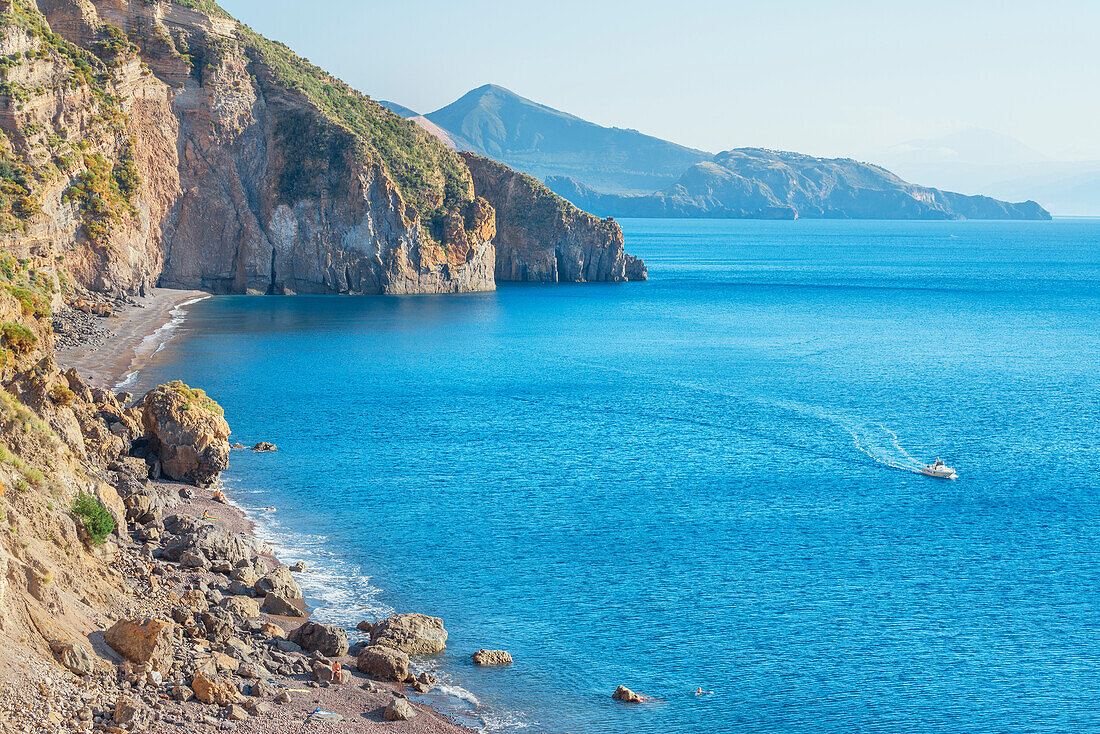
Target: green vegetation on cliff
(430,177)
(95,518)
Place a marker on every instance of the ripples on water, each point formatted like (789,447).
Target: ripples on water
(705,479)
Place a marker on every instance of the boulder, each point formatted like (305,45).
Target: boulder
(327,639)
(280,607)
(212,541)
(279,581)
(624,694)
(214,689)
(383,663)
(145,642)
(77,659)
(264,446)
(242,606)
(415,634)
(236,713)
(399,709)
(188,432)
(132,713)
(491,657)
(328,672)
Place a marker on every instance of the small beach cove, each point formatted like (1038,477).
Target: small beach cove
(700,480)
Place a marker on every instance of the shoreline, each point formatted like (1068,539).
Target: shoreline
(108,350)
(109,356)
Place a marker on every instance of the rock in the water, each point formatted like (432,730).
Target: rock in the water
(264,446)
(280,607)
(492,657)
(415,634)
(624,694)
(399,709)
(188,431)
(383,663)
(146,641)
(327,639)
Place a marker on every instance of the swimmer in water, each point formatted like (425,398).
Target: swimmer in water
(700,692)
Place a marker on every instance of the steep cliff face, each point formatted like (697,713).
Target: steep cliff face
(156,143)
(543,238)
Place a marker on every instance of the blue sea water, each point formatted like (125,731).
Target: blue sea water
(704,479)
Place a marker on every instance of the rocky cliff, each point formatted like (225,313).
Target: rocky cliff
(152,142)
(542,237)
(764,184)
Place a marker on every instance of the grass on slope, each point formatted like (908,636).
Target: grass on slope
(430,177)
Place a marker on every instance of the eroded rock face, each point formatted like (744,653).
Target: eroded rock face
(188,431)
(384,663)
(245,184)
(541,237)
(144,641)
(415,634)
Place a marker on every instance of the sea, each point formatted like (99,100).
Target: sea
(706,480)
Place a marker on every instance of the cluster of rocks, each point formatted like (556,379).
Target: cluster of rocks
(74,328)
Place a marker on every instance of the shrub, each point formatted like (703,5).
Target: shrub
(21,339)
(95,518)
(62,395)
(193,394)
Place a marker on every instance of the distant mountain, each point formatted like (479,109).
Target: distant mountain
(757,183)
(398,108)
(976,160)
(494,122)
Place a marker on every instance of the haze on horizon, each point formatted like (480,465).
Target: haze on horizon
(858,79)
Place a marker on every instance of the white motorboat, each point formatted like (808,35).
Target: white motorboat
(939,470)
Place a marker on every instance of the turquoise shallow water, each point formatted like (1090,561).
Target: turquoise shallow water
(704,479)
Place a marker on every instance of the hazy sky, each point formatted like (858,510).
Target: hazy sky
(827,78)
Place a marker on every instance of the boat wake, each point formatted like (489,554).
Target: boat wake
(770,420)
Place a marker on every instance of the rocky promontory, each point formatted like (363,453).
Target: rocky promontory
(543,238)
(753,183)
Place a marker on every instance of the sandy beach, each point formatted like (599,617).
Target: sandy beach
(130,339)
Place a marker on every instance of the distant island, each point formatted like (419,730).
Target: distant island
(624,173)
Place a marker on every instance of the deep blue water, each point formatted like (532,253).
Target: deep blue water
(700,479)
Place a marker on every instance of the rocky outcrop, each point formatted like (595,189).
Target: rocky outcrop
(543,238)
(188,431)
(415,634)
(624,694)
(384,663)
(491,657)
(751,183)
